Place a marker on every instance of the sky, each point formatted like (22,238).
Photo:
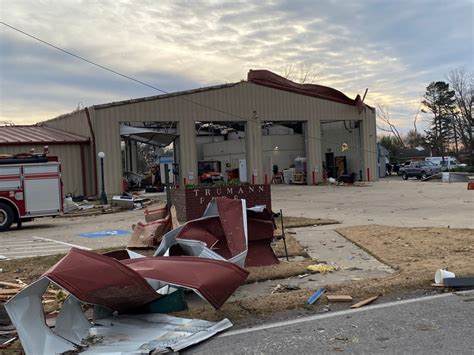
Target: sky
(393,48)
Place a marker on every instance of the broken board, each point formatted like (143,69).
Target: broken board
(364,302)
(339,298)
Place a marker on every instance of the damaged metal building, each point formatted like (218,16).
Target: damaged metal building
(331,131)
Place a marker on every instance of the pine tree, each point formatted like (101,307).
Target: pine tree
(440,100)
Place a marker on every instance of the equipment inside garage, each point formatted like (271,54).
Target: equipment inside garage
(146,148)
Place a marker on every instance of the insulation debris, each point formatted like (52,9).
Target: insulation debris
(321,268)
(279,288)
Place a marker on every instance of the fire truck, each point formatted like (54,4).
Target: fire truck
(30,187)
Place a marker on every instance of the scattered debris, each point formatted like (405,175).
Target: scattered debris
(208,261)
(339,298)
(459,282)
(365,302)
(104,233)
(284,288)
(315,296)
(128,202)
(69,205)
(119,284)
(226,231)
(441,274)
(321,268)
(5,344)
(261,227)
(303,276)
(158,222)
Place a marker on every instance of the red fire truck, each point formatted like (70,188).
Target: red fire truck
(30,187)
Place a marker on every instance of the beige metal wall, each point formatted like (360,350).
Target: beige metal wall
(69,155)
(242,102)
(76,122)
(333,135)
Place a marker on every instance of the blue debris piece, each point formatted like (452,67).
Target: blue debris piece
(315,296)
(106,233)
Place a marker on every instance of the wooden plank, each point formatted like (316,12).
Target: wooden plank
(364,302)
(11,291)
(21,282)
(10,284)
(339,298)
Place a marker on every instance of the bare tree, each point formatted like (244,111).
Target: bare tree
(387,125)
(463,85)
(301,73)
(415,119)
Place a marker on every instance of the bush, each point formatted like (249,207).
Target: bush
(229,183)
(463,169)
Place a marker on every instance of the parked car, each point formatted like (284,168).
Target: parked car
(446,163)
(420,169)
(402,167)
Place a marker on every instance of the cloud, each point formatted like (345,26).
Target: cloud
(393,48)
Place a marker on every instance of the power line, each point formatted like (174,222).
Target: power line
(149,85)
(114,71)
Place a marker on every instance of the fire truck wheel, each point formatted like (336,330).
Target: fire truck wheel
(6,217)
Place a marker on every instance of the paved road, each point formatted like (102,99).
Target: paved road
(441,324)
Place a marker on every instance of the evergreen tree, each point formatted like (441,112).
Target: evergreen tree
(440,101)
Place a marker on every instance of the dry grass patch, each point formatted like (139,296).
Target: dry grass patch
(294,248)
(416,253)
(282,270)
(298,222)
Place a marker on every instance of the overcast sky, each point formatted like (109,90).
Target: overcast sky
(394,48)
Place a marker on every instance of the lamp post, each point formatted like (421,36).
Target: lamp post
(103,195)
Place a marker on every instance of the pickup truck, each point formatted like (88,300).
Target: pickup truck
(420,170)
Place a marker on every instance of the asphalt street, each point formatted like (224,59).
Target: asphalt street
(441,324)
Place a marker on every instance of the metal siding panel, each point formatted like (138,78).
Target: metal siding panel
(75,122)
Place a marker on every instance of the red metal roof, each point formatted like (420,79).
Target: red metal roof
(19,135)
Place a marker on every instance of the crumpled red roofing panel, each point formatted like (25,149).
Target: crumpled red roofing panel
(232,220)
(101,280)
(215,280)
(269,79)
(121,285)
(260,231)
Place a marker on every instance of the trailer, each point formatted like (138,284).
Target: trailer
(30,187)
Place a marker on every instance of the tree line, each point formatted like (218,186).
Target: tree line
(451,125)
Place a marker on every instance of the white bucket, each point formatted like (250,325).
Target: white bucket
(441,274)
(445,177)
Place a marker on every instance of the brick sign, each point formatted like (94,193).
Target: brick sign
(191,203)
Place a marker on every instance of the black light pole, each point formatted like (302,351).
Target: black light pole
(103,195)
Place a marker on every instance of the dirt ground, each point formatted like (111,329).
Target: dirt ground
(416,253)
